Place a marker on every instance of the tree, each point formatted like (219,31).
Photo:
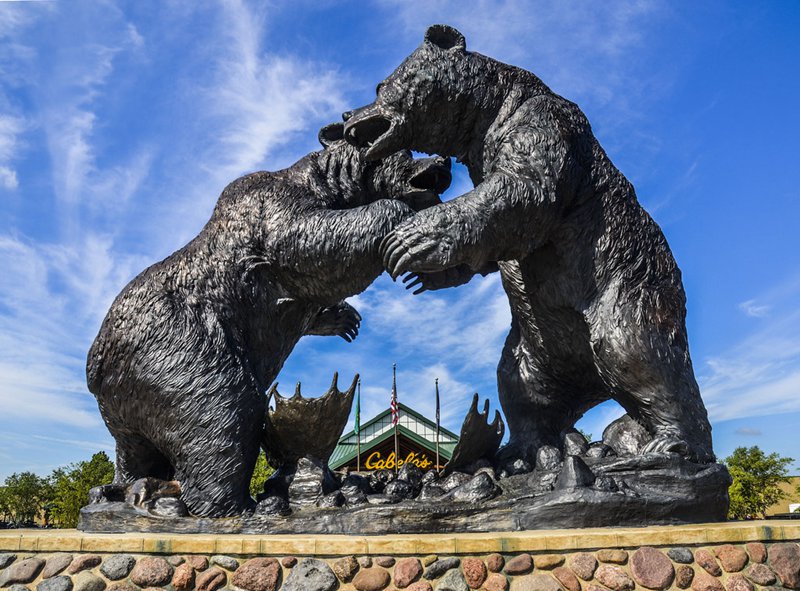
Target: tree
(260,475)
(24,496)
(70,487)
(5,505)
(756,481)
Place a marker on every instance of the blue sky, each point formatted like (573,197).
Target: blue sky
(120,123)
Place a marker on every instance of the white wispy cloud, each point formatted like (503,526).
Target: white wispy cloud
(10,128)
(15,16)
(14,57)
(583,53)
(455,335)
(262,100)
(676,188)
(58,287)
(70,96)
(41,362)
(759,375)
(465,328)
(88,445)
(261,109)
(8,177)
(253,104)
(754,309)
(51,306)
(748,432)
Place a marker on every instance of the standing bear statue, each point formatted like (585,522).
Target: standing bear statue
(188,349)
(597,303)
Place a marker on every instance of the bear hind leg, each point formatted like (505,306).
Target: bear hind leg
(215,479)
(644,360)
(215,464)
(541,398)
(138,458)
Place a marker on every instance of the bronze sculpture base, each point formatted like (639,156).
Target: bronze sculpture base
(655,489)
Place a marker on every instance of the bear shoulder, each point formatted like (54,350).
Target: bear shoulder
(537,138)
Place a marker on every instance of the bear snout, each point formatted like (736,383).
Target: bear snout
(368,128)
(432,174)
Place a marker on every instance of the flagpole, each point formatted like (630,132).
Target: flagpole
(395,418)
(437,425)
(358,428)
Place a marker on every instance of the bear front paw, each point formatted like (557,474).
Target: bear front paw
(408,250)
(341,320)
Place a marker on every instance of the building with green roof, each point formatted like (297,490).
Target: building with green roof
(416,439)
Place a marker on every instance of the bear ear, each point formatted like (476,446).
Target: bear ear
(445,37)
(331,133)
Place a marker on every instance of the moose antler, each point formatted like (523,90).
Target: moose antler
(301,427)
(479,438)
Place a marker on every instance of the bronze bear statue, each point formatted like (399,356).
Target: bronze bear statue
(188,349)
(597,302)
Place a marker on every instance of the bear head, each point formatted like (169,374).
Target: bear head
(429,102)
(356,181)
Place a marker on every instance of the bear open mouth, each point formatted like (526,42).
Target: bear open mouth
(372,132)
(364,133)
(431,178)
(433,175)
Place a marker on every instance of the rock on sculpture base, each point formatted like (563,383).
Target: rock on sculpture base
(655,489)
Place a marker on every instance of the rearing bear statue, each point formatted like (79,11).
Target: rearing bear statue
(188,349)
(598,307)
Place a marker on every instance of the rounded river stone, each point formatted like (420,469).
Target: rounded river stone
(438,568)
(785,561)
(519,564)
(474,572)
(406,571)
(87,581)
(152,571)
(535,583)
(731,557)
(681,555)
(583,564)
(311,574)
(652,569)
(258,574)
(55,564)
(226,562)
(118,566)
(614,578)
(60,583)
(453,580)
(371,579)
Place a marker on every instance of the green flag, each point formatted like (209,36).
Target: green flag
(358,409)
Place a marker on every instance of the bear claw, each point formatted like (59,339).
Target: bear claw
(668,444)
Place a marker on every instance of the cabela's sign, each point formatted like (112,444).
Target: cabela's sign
(380,446)
(375,461)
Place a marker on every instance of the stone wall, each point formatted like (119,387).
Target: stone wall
(741,566)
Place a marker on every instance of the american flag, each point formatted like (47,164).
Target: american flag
(393,404)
